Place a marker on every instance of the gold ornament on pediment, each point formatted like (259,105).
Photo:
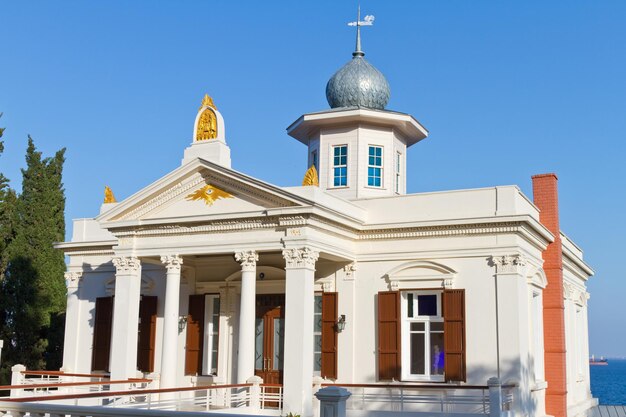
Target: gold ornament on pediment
(108,195)
(310,178)
(208,194)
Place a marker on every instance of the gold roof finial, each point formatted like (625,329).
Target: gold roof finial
(310,178)
(108,195)
(207,101)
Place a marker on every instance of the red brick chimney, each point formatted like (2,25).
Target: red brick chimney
(545,196)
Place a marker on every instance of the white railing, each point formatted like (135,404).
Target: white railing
(447,399)
(249,397)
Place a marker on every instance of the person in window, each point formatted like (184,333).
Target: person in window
(437,361)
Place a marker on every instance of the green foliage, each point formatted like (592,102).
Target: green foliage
(33,289)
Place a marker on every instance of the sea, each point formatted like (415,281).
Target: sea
(608,383)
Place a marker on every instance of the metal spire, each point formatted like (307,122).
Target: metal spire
(367,21)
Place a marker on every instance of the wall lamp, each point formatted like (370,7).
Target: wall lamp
(182,322)
(341,323)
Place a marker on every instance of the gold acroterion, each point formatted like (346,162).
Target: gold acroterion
(108,195)
(208,194)
(310,178)
(207,101)
(207,125)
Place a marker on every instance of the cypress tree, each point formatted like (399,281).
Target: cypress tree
(34,287)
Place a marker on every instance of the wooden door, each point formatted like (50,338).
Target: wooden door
(147,333)
(195,331)
(270,339)
(103,322)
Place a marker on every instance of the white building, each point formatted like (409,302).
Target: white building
(353,280)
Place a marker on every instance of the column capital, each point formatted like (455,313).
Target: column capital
(508,264)
(300,257)
(247,259)
(73,278)
(126,264)
(173,263)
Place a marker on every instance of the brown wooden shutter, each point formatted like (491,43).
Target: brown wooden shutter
(454,334)
(195,330)
(389,360)
(147,333)
(329,335)
(102,334)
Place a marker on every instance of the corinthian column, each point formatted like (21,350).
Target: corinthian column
(247,313)
(299,297)
(125,317)
(169,351)
(70,344)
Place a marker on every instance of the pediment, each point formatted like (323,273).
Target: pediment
(201,188)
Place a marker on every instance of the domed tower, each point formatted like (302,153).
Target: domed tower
(358,147)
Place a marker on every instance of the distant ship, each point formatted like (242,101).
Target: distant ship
(601,361)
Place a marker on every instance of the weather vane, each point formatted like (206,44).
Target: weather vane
(368,20)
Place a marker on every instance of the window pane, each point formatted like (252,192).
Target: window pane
(436,326)
(417,327)
(337,150)
(409,301)
(258,345)
(417,354)
(427,305)
(318,304)
(436,353)
(317,343)
(317,362)
(379,151)
(343,160)
(279,335)
(216,306)
(371,151)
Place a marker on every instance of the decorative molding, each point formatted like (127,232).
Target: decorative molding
(538,278)
(442,230)
(508,264)
(420,273)
(173,263)
(73,279)
(300,257)
(349,271)
(328,286)
(126,264)
(161,198)
(247,259)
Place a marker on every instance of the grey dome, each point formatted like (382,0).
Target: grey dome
(358,83)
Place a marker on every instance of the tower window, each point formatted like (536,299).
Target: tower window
(375,166)
(398,158)
(314,160)
(340,166)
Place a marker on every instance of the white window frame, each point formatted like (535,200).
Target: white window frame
(397,166)
(536,311)
(317,333)
(332,172)
(381,167)
(211,335)
(406,335)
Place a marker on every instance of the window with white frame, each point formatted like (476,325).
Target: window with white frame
(375,166)
(536,311)
(317,335)
(422,336)
(398,160)
(579,342)
(340,166)
(211,333)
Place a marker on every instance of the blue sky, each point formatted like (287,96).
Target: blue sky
(506,89)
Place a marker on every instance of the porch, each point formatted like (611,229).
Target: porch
(56,397)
